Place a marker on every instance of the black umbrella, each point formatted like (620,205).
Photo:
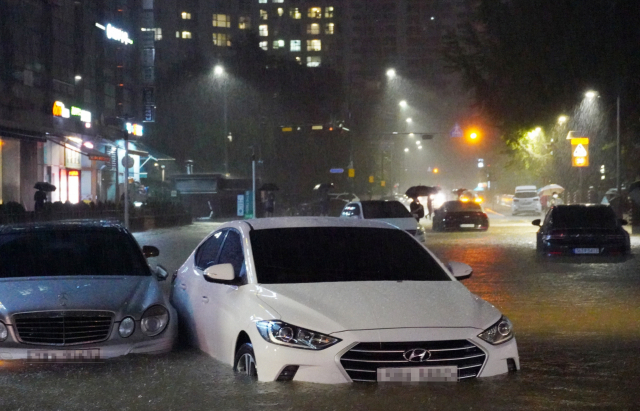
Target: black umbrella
(269,187)
(420,191)
(44,186)
(323,186)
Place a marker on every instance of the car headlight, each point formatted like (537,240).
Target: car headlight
(154,320)
(127,326)
(4,333)
(498,333)
(281,333)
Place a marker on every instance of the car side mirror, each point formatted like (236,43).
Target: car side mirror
(622,221)
(220,272)
(161,273)
(536,222)
(150,251)
(460,270)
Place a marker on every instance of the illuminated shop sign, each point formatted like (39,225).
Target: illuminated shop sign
(59,110)
(135,129)
(73,173)
(114,33)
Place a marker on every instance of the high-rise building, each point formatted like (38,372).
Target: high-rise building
(71,74)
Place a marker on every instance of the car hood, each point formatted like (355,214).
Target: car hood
(343,306)
(122,295)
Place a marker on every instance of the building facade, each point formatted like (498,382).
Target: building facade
(72,73)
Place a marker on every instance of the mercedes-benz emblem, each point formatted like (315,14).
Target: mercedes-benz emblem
(62,299)
(417,355)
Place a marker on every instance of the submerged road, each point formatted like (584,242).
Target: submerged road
(577,325)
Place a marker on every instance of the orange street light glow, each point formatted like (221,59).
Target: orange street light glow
(436,171)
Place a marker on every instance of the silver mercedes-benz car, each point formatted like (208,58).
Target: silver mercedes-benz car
(80,291)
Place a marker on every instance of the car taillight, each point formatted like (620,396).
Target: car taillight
(556,235)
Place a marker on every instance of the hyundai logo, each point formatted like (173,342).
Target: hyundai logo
(417,355)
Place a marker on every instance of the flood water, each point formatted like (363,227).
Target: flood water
(577,325)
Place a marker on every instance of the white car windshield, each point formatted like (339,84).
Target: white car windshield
(332,254)
(69,253)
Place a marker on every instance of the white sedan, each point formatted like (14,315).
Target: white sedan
(333,300)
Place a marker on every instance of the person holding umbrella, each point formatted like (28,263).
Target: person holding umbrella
(40,197)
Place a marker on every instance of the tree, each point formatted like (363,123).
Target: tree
(528,61)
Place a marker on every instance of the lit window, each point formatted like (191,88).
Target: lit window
(313,28)
(263,29)
(264,15)
(314,45)
(186,34)
(280,11)
(221,39)
(264,45)
(221,20)
(295,45)
(299,60)
(262,1)
(328,28)
(244,22)
(315,13)
(328,12)
(186,16)
(278,44)
(278,1)
(177,34)
(314,61)
(294,12)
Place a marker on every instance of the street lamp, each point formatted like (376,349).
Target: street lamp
(590,94)
(562,120)
(391,73)
(218,71)
(409,120)
(403,104)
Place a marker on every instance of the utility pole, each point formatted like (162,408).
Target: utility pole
(126,178)
(618,181)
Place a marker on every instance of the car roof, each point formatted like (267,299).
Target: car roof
(376,201)
(65,225)
(302,222)
(563,207)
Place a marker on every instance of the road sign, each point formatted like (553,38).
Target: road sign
(336,170)
(352,173)
(456,131)
(371,180)
(580,152)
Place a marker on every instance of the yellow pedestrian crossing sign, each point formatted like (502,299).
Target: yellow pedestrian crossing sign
(580,152)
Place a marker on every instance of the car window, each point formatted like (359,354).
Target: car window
(232,252)
(455,206)
(584,217)
(207,253)
(70,253)
(351,210)
(526,194)
(333,254)
(384,209)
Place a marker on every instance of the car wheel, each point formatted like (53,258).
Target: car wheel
(245,361)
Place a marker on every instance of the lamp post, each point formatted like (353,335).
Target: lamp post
(218,71)
(126,178)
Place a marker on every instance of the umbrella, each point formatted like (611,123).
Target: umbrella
(44,186)
(550,189)
(323,186)
(269,187)
(420,191)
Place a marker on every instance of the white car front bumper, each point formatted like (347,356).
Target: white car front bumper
(325,366)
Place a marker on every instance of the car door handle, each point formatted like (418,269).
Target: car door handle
(183,286)
(205,299)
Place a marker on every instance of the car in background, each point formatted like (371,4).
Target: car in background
(80,291)
(460,215)
(526,200)
(336,300)
(582,229)
(392,212)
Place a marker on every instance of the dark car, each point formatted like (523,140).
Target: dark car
(460,215)
(582,229)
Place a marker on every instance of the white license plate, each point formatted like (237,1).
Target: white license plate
(586,251)
(84,355)
(467,225)
(418,374)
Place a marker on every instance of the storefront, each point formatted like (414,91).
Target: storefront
(20,151)
(73,165)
